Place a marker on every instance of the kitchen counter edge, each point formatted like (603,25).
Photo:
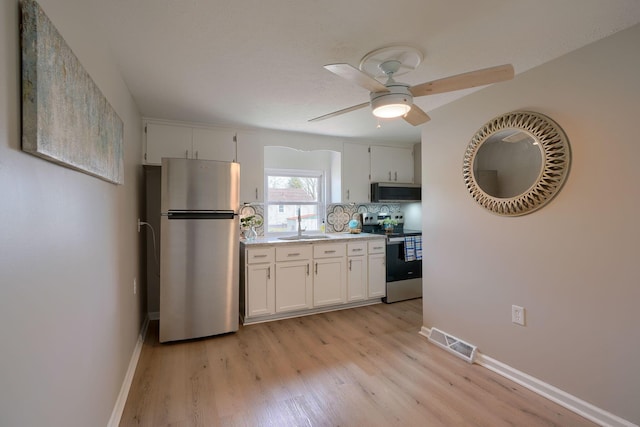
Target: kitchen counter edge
(335,237)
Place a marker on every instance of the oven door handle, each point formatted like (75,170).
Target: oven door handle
(395,240)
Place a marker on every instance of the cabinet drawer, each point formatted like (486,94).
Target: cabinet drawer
(329,251)
(292,253)
(355,249)
(260,255)
(377,247)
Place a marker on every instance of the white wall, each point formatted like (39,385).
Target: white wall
(417,163)
(320,160)
(573,264)
(290,158)
(69,251)
(412,215)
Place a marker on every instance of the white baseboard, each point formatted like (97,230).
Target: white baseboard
(118,408)
(562,398)
(424,331)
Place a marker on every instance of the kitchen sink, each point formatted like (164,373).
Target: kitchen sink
(305,237)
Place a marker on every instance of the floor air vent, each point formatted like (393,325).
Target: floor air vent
(453,345)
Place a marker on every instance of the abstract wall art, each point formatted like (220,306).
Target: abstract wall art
(65,117)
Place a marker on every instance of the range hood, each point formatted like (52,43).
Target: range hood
(395,192)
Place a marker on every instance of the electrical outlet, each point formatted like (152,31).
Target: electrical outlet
(517,315)
(135,285)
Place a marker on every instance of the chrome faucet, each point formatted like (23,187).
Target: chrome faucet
(300,229)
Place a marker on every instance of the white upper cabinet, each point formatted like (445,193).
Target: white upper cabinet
(214,144)
(391,164)
(166,141)
(355,173)
(183,141)
(251,159)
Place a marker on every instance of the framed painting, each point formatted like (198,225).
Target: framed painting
(65,117)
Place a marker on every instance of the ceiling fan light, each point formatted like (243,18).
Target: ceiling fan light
(392,110)
(392,105)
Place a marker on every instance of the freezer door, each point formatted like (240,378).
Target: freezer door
(199,278)
(200,185)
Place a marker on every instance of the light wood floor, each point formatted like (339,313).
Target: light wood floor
(366,366)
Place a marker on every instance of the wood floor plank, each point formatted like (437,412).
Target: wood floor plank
(356,367)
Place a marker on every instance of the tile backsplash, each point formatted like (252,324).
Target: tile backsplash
(339,215)
(336,217)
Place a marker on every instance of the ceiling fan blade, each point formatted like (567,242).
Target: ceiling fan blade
(464,81)
(416,116)
(351,73)
(337,113)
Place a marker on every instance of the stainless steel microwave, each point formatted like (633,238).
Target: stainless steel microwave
(395,192)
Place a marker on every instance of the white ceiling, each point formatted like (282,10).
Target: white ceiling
(257,63)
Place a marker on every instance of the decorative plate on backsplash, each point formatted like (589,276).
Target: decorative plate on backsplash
(258,211)
(338,217)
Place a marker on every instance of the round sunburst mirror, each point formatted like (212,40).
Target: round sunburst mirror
(516,163)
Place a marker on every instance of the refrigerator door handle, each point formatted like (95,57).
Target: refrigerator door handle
(200,215)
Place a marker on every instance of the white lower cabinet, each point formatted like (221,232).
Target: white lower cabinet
(260,288)
(259,282)
(293,286)
(293,289)
(357,271)
(278,281)
(330,274)
(329,282)
(377,283)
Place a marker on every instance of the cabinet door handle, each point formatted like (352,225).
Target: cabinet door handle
(316,268)
(269,272)
(329,252)
(389,175)
(396,173)
(350,261)
(256,193)
(186,154)
(307,269)
(348,195)
(294,254)
(196,155)
(260,256)
(357,249)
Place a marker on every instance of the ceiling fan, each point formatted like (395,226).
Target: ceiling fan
(395,99)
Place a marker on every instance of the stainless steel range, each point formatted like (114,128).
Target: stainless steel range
(403,259)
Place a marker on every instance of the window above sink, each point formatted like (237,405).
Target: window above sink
(289,192)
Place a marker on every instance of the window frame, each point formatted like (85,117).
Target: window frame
(293,173)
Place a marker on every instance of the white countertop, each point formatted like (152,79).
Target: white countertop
(333,237)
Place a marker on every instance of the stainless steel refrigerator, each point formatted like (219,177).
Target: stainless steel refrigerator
(199,248)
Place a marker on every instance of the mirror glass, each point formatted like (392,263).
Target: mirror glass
(516,163)
(508,163)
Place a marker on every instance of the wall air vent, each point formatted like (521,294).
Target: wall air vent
(453,345)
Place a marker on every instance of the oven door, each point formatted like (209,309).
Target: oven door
(404,278)
(397,267)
